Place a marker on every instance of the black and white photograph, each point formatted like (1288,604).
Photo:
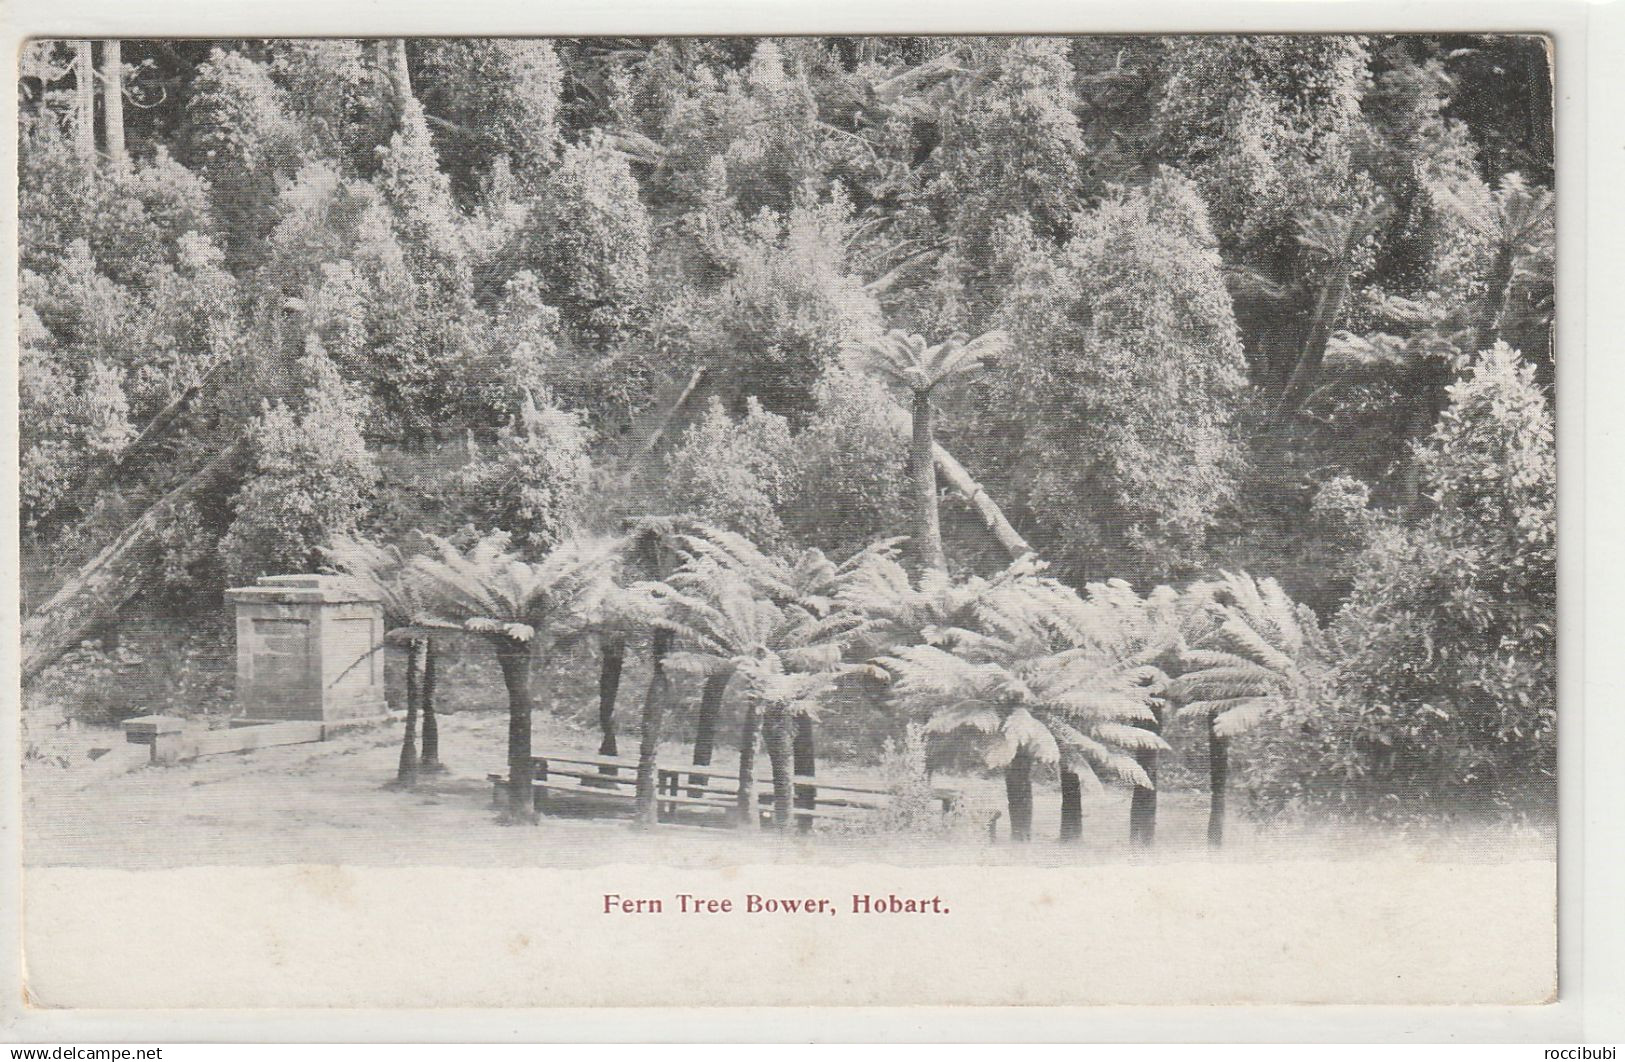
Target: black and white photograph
(905,464)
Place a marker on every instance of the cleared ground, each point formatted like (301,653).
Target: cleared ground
(328,803)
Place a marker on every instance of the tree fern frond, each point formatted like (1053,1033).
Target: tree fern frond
(1242,718)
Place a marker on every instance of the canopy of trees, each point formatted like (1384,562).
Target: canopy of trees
(1273,303)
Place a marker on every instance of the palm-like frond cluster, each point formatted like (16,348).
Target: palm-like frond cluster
(383,574)
(1036,671)
(1246,653)
(1041,670)
(486,589)
(489,590)
(776,624)
(909,361)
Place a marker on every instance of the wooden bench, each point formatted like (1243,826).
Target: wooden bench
(700,788)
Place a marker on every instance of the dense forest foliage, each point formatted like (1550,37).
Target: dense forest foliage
(1281,304)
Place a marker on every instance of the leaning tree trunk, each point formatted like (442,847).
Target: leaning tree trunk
(804,759)
(654,710)
(430,760)
(119,467)
(925,544)
(953,473)
(514,658)
(84,116)
(1142,812)
(1218,765)
(609,686)
(1433,376)
(745,798)
(113,100)
(1071,806)
(705,731)
(780,754)
(1018,791)
(1497,296)
(390,58)
(406,771)
(99,589)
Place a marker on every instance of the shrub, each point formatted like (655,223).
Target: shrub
(1122,385)
(850,468)
(65,426)
(240,135)
(779,321)
(532,485)
(500,99)
(312,478)
(734,473)
(587,238)
(1442,697)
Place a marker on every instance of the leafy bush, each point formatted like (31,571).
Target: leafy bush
(913,808)
(532,485)
(498,100)
(1443,693)
(1263,125)
(312,478)
(339,97)
(850,469)
(757,128)
(1122,385)
(240,136)
(587,239)
(1011,149)
(734,473)
(789,305)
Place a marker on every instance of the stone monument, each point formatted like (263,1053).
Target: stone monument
(308,647)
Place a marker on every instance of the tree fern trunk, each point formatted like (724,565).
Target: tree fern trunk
(925,546)
(1018,791)
(804,760)
(430,760)
(1497,295)
(609,687)
(777,726)
(406,770)
(745,799)
(1218,765)
(705,732)
(1142,813)
(513,657)
(654,711)
(113,101)
(1071,806)
(84,116)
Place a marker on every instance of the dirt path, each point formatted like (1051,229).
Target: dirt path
(328,803)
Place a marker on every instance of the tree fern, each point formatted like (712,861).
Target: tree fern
(1247,649)
(1036,673)
(488,590)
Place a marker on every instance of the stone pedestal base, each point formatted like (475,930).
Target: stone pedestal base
(309,647)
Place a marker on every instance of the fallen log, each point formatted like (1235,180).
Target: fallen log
(99,589)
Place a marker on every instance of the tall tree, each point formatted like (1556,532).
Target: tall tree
(1121,388)
(908,361)
(84,111)
(516,606)
(113,101)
